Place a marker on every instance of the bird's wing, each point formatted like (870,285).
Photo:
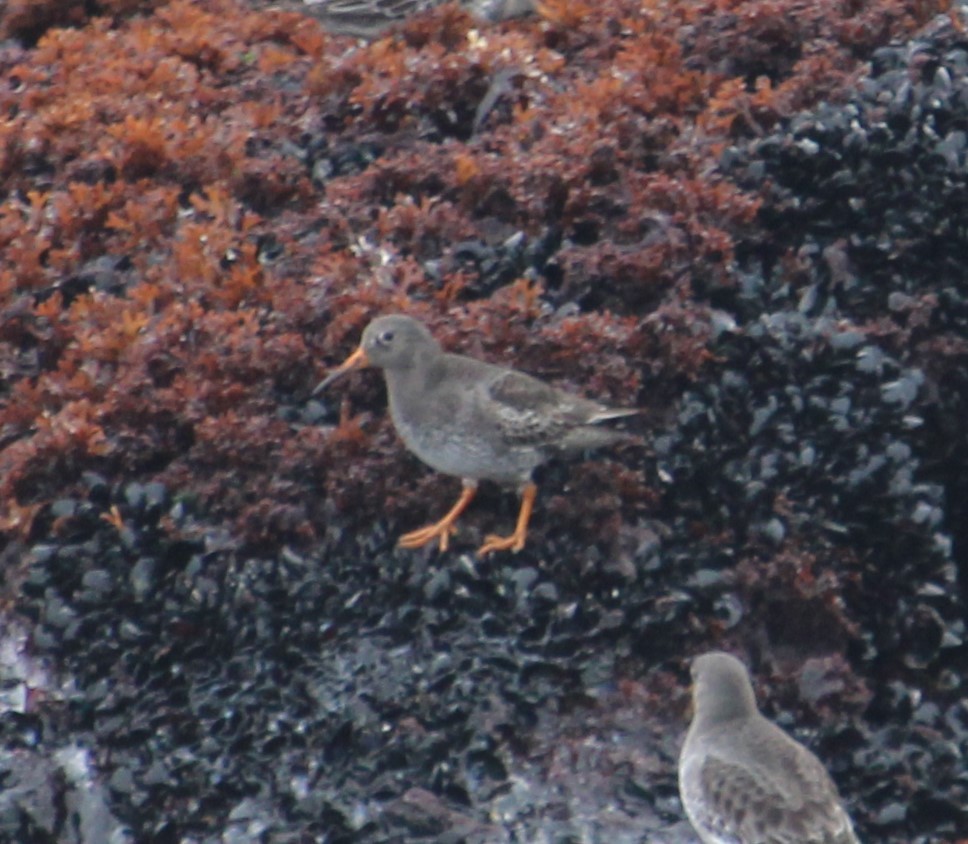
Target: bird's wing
(364,17)
(530,412)
(792,803)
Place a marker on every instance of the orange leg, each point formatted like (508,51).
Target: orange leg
(444,528)
(514,542)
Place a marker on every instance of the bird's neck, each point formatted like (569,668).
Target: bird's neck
(718,713)
(405,384)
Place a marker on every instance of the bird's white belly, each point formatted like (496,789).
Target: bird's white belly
(469,458)
(451,449)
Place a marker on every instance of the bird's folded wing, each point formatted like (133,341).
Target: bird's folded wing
(530,412)
(362,18)
(748,806)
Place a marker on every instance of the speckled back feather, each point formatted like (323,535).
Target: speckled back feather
(370,18)
(532,413)
(753,784)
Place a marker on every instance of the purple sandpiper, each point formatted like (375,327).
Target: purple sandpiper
(474,420)
(742,779)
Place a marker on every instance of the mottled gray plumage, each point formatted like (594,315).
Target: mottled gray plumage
(472,419)
(742,779)
(370,18)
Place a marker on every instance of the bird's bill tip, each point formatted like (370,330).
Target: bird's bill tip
(357,360)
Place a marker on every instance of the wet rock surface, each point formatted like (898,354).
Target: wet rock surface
(171,671)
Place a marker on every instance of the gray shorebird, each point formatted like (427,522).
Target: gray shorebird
(742,779)
(371,18)
(474,420)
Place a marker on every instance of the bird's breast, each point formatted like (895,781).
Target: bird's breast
(446,430)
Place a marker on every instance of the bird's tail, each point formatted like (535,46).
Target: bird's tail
(607,413)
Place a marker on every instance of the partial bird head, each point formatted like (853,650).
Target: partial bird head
(721,688)
(394,342)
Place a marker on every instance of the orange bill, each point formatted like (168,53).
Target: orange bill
(357,360)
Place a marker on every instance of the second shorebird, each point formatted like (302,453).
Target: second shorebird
(473,419)
(742,779)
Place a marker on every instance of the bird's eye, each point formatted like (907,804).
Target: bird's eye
(386,337)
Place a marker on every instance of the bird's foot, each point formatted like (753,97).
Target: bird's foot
(493,542)
(441,531)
